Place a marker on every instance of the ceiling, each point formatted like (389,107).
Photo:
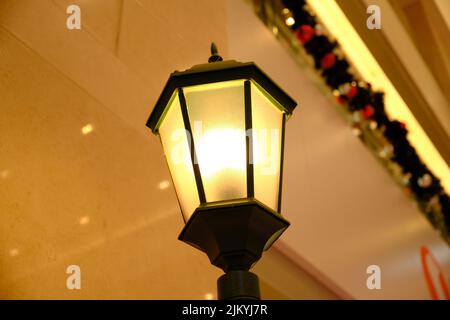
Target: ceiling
(412,50)
(428,26)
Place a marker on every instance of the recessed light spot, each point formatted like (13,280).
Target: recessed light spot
(85,130)
(14,252)
(163,185)
(84,220)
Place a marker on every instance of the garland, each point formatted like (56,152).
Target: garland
(366,109)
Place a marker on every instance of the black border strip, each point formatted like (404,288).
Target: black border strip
(187,125)
(249,139)
(280,187)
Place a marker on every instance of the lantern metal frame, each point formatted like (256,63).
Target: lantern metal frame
(233,233)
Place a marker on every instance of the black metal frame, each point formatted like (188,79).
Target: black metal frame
(238,285)
(280,187)
(187,126)
(233,233)
(249,146)
(208,229)
(249,139)
(217,72)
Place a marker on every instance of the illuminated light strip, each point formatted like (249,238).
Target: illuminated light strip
(356,51)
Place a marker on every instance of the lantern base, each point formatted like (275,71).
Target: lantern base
(235,233)
(238,285)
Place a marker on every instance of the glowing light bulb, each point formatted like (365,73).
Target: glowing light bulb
(85,130)
(221,149)
(290,21)
(275,30)
(288,17)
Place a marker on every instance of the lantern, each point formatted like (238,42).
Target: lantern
(222,125)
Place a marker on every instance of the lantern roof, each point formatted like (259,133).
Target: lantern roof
(216,72)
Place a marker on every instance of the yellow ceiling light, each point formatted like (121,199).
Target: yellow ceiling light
(14,252)
(84,220)
(85,130)
(163,185)
(356,51)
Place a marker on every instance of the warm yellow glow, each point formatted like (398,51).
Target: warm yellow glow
(14,252)
(275,30)
(163,185)
(356,131)
(85,130)
(290,21)
(209,296)
(84,220)
(356,51)
(217,119)
(217,116)
(217,151)
(267,129)
(176,148)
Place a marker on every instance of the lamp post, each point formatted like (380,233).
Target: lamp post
(222,127)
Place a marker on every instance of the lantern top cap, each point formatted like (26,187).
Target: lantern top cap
(217,71)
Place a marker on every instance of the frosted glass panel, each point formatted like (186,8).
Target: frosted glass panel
(267,125)
(175,142)
(217,116)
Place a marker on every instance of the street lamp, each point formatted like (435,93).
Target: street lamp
(222,127)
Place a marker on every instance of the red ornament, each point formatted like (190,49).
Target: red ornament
(340,99)
(305,33)
(368,111)
(402,125)
(328,61)
(352,92)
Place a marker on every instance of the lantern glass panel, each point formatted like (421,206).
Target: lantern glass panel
(267,123)
(217,117)
(175,141)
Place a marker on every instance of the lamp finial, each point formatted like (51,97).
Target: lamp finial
(214,54)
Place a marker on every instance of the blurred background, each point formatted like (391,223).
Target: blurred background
(84,182)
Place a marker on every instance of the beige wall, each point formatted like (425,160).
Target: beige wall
(94,200)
